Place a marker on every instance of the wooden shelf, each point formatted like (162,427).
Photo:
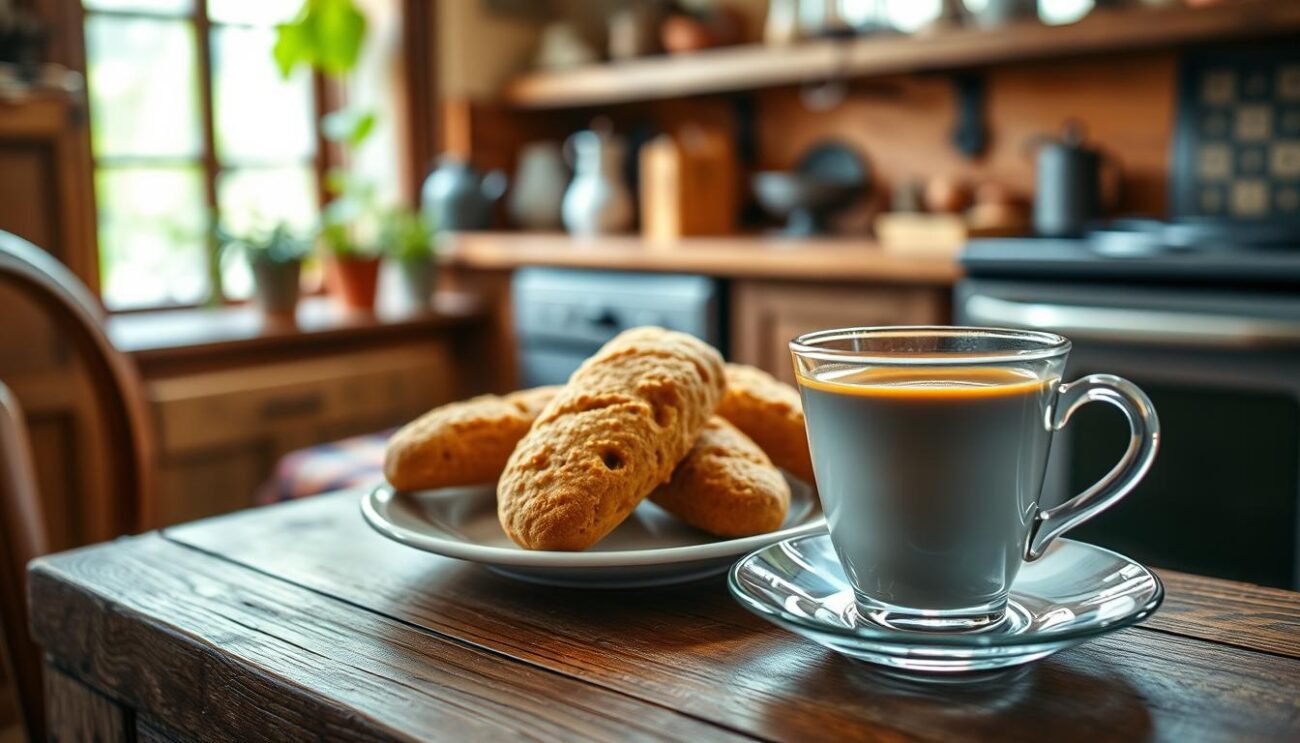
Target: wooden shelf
(831,259)
(758,66)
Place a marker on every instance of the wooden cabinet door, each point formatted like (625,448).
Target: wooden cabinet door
(766,315)
(46,198)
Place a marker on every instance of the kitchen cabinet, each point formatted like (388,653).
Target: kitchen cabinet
(221,432)
(229,395)
(766,315)
(46,198)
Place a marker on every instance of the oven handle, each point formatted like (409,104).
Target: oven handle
(1135,326)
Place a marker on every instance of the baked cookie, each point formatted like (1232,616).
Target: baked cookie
(768,411)
(463,443)
(726,485)
(609,438)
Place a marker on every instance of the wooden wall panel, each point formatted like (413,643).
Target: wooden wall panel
(902,124)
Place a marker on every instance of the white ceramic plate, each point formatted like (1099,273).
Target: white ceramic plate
(651,548)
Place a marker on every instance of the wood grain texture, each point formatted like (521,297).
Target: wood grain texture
(1237,614)
(691,648)
(76,713)
(756,66)
(162,342)
(214,651)
(815,259)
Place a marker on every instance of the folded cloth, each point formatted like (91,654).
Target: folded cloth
(338,465)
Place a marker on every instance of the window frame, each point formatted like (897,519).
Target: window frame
(326,95)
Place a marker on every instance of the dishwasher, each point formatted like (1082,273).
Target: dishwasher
(562,316)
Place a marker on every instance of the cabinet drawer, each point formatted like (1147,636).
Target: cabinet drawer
(229,407)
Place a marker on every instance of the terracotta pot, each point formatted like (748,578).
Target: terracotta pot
(275,287)
(353,281)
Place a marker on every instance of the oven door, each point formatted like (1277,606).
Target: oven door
(1223,370)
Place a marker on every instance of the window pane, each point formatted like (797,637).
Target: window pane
(253,201)
(259,12)
(171,7)
(259,116)
(152,236)
(143,83)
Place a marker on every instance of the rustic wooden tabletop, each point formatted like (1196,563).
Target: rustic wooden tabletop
(297,621)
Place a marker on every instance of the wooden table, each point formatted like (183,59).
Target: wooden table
(297,621)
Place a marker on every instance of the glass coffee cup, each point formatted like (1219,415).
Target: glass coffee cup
(930,446)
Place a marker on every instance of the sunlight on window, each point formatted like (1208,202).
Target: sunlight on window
(143,80)
(152,235)
(260,117)
(168,7)
(253,201)
(258,12)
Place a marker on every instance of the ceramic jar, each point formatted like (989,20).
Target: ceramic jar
(538,191)
(597,201)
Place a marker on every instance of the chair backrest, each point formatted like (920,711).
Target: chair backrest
(76,316)
(23,526)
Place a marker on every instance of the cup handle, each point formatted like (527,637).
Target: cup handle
(1144,439)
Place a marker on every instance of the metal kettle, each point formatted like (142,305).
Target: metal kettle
(1067,183)
(456,197)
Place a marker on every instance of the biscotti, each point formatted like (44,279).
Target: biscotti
(611,436)
(769,412)
(726,485)
(463,443)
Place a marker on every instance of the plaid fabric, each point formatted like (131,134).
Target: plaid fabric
(338,465)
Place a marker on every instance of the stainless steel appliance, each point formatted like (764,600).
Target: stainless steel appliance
(563,316)
(1209,327)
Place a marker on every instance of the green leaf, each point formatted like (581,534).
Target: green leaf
(292,46)
(326,35)
(336,181)
(349,126)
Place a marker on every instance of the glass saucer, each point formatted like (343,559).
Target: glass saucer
(1073,593)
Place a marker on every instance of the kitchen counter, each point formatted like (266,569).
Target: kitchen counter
(837,259)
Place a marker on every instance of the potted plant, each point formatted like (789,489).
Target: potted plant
(351,224)
(409,242)
(274,257)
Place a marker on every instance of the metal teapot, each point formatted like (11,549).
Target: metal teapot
(456,197)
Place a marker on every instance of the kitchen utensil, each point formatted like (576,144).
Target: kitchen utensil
(830,177)
(538,191)
(457,197)
(1074,593)
(597,201)
(803,200)
(1067,183)
(930,445)
(688,185)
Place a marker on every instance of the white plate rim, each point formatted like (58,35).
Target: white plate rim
(377,500)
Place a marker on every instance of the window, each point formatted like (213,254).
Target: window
(192,124)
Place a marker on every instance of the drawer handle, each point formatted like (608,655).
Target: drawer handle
(283,407)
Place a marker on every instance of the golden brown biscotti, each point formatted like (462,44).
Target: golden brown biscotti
(768,411)
(463,443)
(726,485)
(610,437)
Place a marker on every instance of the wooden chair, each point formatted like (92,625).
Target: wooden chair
(77,318)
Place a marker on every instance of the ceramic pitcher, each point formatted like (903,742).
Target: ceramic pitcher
(597,202)
(538,190)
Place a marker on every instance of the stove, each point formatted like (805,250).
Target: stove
(1145,251)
